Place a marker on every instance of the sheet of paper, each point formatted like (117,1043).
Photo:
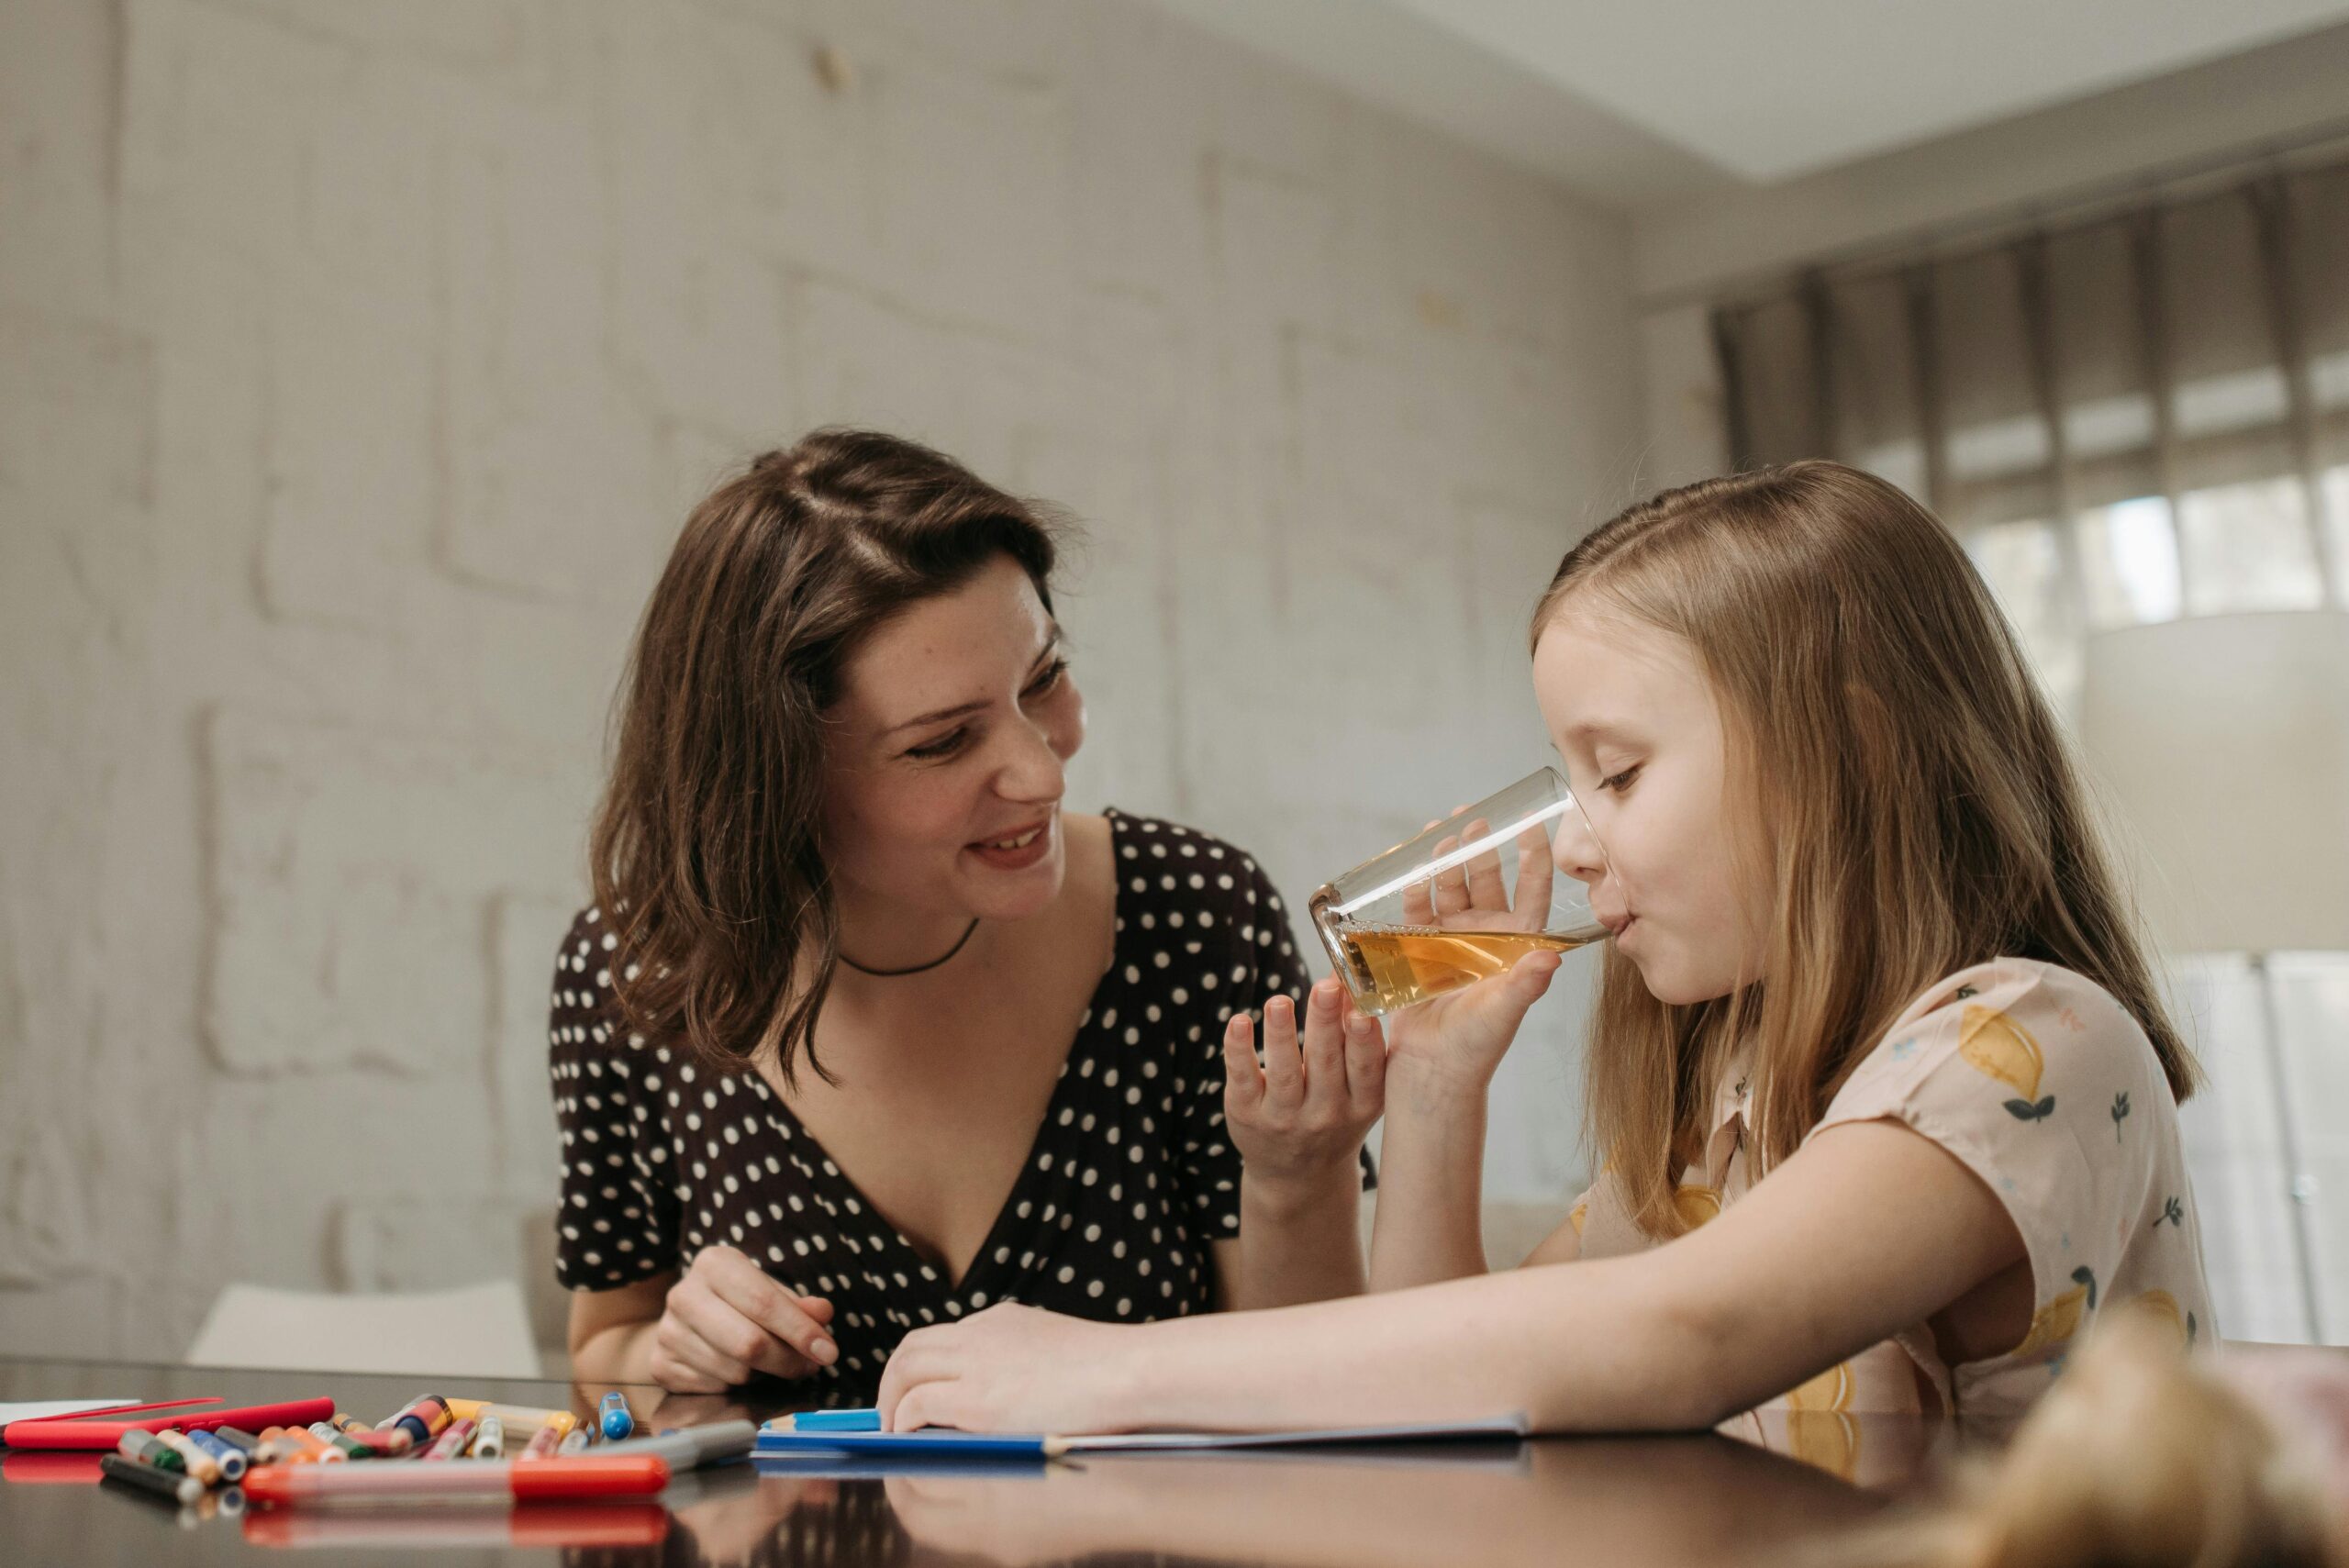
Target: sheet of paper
(1497,1429)
(48,1410)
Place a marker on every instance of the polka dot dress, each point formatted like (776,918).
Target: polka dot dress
(1130,1175)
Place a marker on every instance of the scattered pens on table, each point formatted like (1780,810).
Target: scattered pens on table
(613,1418)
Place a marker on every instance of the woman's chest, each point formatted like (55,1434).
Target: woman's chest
(934,1120)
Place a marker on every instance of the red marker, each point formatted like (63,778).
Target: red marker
(621,1475)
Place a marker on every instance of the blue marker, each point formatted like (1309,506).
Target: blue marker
(613,1418)
(226,1454)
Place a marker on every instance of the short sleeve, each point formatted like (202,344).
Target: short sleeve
(615,1222)
(2046,1088)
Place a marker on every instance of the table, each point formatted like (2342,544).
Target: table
(1704,1498)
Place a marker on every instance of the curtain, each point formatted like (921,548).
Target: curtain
(2131,417)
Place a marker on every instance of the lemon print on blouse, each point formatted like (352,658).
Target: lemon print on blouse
(1580,1216)
(1696,1205)
(1995,1044)
(2161,1306)
(2055,1323)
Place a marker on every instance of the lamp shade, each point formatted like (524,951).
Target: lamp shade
(2222,743)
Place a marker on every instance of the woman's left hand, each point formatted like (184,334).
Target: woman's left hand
(1010,1369)
(1302,1115)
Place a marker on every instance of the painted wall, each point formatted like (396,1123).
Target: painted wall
(357,366)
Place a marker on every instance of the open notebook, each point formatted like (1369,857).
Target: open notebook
(944,1443)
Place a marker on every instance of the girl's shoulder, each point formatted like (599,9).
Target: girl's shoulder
(2040,1042)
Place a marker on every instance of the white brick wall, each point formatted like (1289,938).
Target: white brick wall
(357,365)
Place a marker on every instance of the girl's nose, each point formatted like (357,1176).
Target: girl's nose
(1574,848)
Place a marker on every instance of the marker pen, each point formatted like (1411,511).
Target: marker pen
(145,1447)
(146,1478)
(637,1475)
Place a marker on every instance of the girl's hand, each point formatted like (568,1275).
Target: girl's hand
(1472,896)
(1010,1368)
(728,1317)
(1303,1114)
(1453,1043)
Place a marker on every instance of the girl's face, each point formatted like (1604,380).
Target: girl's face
(943,769)
(1633,718)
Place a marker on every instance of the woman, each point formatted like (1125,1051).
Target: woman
(864,1032)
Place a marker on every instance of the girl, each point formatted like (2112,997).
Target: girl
(1865,944)
(864,1031)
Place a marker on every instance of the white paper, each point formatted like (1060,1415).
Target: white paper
(1501,1427)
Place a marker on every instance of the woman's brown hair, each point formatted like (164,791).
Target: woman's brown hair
(1901,786)
(706,851)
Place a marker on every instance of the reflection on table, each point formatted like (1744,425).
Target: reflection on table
(1761,1484)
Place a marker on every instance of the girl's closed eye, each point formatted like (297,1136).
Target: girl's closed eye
(1617,782)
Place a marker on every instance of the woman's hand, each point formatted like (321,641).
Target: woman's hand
(1303,1114)
(1012,1369)
(728,1317)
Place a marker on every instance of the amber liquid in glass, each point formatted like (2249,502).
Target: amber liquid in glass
(1397,965)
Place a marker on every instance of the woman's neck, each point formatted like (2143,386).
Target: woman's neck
(876,937)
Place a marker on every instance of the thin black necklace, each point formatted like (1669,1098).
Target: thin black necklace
(919,968)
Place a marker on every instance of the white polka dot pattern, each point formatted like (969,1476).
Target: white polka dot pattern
(1131,1172)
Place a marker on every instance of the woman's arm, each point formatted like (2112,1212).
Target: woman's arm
(611,1331)
(1869,1229)
(1299,1120)
(1296,1243)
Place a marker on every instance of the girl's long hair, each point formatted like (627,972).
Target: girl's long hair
(705,853)
(1901,786)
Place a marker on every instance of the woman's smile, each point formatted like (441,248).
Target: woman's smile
(1020,848)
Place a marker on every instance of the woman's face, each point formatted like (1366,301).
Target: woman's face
(1633,718)
(943,759)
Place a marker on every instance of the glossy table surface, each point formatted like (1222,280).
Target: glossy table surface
(1699,1498)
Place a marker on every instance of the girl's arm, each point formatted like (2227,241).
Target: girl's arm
(1440,1069)
(1868,1230)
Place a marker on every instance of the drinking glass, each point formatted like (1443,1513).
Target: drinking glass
(1463,900)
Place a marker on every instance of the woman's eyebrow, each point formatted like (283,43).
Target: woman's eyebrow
(939,715)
